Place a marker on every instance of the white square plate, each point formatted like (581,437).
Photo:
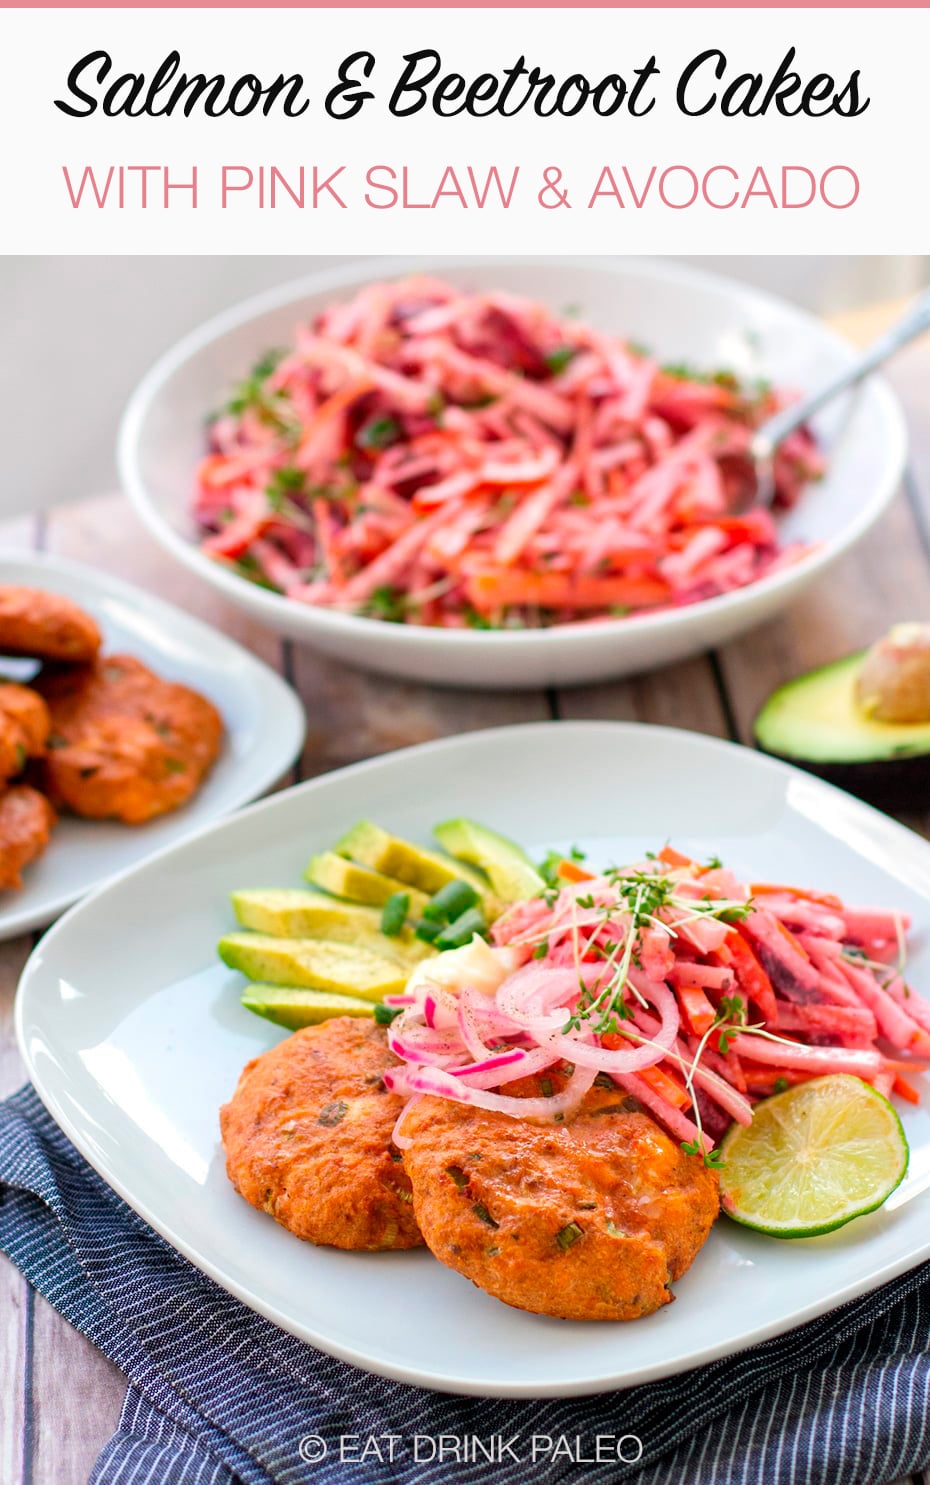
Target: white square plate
(264,732)
(134,1035)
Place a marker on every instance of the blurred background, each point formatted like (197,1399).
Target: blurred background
(78,333)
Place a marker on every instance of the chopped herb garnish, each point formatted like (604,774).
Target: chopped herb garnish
(480,1210)
(559,358)
(568,1235)
(283,485)
(387,603)
(252,395)
(474,620)
(380,433)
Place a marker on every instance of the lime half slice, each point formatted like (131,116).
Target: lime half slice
(813,1158)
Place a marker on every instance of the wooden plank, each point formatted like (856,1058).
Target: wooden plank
(908,374)
(106,533)
(13,1343)
(682,695)
(40,1354)
(885,579)
(13,955)
(14,1328)
(352,714)
(76,1399)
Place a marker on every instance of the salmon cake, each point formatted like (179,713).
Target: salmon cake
(24,727)
(307,1136)
(125,744)
(45,626)
(26,820)
(589,1219)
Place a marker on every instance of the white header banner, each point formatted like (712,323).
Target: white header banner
(294,131)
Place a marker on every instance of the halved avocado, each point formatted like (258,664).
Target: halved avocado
(817,723)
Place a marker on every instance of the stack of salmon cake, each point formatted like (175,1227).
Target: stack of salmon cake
(98,735)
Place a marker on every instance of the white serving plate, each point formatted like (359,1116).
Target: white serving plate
(680,313)
(134,1052)
(264,732)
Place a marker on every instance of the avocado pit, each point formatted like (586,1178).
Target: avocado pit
(862,722)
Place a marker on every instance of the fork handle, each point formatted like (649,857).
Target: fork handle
(775,430)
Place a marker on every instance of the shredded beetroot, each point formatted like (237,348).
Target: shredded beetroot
(434,457)
(683,985)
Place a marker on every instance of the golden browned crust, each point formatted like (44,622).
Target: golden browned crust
(26,820)
(45,626)
(125,744)
(308,1138)
(24,727)
(589,1219)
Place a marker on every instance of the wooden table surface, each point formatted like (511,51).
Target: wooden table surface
(59,1398)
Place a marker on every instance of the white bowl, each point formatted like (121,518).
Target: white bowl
(680,313)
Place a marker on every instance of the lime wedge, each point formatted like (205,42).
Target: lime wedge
(813,1158)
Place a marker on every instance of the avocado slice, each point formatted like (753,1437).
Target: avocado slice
(816,722)
(510,871)
(343,968)
(359,883)
(295,1006)
(286,912)
(412,865)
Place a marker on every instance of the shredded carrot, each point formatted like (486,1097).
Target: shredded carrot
(674,858)
(603,483)
(493,588)
(699,1013)
(667,1085)
(905,1090)
(823,899)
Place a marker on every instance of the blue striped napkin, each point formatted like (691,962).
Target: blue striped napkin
(218,1395)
